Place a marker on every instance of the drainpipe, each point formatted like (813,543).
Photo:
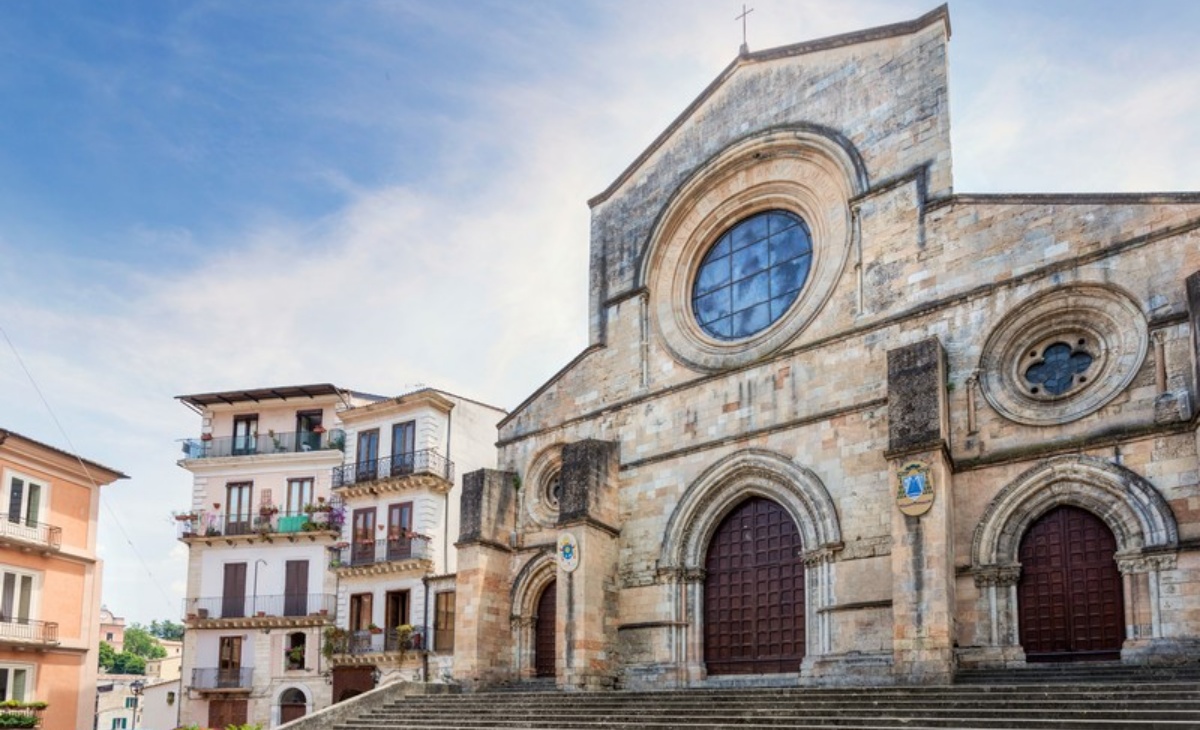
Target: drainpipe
(446,500)
(425,629)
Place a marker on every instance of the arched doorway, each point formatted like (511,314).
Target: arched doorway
(292,705)
(544,655)
(754,592)
(1070,598)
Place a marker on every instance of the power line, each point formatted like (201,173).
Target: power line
(74,452)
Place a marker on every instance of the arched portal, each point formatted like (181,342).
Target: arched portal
(293,705)
(754,592)
(544,655)
(1070,595)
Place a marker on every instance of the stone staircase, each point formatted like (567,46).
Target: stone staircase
(1108,703)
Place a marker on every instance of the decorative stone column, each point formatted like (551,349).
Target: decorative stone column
(587,575)
(482,634)
(923,597)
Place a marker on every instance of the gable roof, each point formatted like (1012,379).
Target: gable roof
(940,14)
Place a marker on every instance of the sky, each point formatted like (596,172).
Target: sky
(200,196)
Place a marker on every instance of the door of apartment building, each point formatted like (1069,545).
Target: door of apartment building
(292,705)
(307,438)
(367,457)
(362,546)
(223,713)
(399,544)
(404,440)
(245,435)
(233,591)
(295,588)
(229,663)
(239,512)
(395,612)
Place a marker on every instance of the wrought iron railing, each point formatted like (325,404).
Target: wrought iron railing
(28,630)
(368,552)
(38,533)
(425,461)
(376,642)
(280,443)
(323,516)
(292,604)
(214,678)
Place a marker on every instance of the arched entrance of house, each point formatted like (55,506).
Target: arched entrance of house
(1070,598)
(754,592)
(292,705)
(544,632)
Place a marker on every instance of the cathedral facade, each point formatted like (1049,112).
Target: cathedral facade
(838,423)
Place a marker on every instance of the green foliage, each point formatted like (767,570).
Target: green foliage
(17,719)
(141,642)
(108,655)
(244,727)
(166,629)
(126,663)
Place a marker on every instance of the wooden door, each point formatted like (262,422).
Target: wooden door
(754,592)
(367,456)
(233,594)
(362,549)
(229,662)
(1070,596)
(399,544)
(223,713)
(295,588)
(545,633)
(403,446)
(292,705)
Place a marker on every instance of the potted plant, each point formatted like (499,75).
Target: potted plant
(295,657)
(374,629)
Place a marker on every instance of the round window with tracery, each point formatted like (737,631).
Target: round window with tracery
(751,275)
(1058,368)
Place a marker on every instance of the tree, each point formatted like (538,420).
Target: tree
(126,663)
(140,642)
(166,629)
(107,655)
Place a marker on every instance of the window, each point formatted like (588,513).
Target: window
(13,681)
(170,698)
(368,455)
(245,434)
(297,644)
(360,611)
(299,493)
(308,430)
(751,275)
(130,702)
(404,438)
(362,547)
(108,637)
(399,544)
(16,596)
(120,723)
(238,515)
(24,500)
(443,622)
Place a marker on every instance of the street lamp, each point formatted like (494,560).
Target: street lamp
(136,688)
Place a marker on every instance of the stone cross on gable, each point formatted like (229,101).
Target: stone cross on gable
(745,49)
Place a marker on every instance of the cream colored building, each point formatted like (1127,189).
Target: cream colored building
(839,422)
(50,578)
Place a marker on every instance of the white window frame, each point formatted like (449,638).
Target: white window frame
(43,499)
(30,681)
(35,592)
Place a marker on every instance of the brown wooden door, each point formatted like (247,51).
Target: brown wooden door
(399,544)
(754,593)
(295,588)
(229,662)
(362,549)
(545,632)
(291,705)
(1070,596)
(233,593)
(222,713)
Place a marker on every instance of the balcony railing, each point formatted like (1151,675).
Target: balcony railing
(425,461)
(287,605)
(369,552)
(327,516)
(38,533)
(27,630)
(367,642)
(213,678)
(280,443)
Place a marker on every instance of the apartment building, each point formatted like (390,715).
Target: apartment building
(396,560)
(50,579)
(259,528)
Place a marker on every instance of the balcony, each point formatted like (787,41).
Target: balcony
(392,554)
(202,524)
(213,679)
(28,632)
(423,463)
(287,608)
(30,534)
(358,643)
(282,443)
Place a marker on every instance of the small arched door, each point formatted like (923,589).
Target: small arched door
(544,655)
(292,705)
(754,592)
(1070,596)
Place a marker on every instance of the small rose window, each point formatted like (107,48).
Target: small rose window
(1058,368)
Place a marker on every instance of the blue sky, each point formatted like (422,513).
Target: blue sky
(207,195)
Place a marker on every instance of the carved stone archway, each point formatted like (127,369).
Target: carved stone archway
(700,511)
(530,583)
(1140,519)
